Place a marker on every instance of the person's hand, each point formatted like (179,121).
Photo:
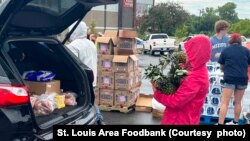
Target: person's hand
(217,55)
(154,86)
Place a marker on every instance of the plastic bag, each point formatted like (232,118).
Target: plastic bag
(70,98)
(158,106)
(33,100)
(45,104)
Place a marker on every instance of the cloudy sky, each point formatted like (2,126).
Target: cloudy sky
(193,6)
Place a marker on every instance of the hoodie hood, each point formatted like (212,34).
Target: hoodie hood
(80,32)
(198,51)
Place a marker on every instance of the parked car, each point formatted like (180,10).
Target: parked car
(139,43)
(244,41)
(28,26)
(181,45)
(159,43)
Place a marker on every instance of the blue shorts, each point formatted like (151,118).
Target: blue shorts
(234,87)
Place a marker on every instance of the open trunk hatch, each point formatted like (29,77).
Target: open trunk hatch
(45,17)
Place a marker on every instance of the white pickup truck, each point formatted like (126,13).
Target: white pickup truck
(159,43)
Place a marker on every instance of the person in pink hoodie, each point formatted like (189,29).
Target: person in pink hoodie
(185,106)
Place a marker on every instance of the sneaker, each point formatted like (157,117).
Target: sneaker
(232,123)
(100,122)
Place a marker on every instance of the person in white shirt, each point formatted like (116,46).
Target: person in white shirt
(86,51)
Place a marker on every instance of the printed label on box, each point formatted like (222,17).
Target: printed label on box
(106,96)
(121,81)
(107,64)
(122,99)
(126,44)
(103,47)
(106,80)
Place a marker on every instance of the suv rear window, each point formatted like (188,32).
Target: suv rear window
(159,37)
(55,7)
(6,76)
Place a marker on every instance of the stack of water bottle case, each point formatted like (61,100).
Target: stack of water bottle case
(119,77)
(213,100)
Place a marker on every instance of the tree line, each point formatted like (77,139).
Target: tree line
(173,19)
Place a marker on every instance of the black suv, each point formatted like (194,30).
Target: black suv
(28,42)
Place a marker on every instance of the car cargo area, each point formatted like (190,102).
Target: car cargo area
(65,90)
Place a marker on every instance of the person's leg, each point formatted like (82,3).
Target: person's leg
(99,117)
(227,93)
(239,93)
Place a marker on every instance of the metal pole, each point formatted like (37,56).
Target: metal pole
(105,16)
(120,14)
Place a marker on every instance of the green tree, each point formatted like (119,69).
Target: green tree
(208,20)
(181,32)
(92,28)
(165,18)
(242,27)
(228,12)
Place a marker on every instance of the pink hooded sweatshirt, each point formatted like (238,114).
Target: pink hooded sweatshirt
(185,106)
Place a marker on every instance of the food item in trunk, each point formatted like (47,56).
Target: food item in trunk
(45,104)
(60,101)
(33,100)
(70,99)
(38,76)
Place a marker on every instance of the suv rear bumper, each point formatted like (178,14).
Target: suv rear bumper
(163,49)
(89,119)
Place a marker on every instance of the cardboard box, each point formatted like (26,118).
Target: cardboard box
(125,98)
(111,33)
(105,63)
(127,42)
(97,96)
(106,45)
(124,63)
(137,78)
(106,97)
(38,88)
(106,80)
(124,81)
(157,113)
(144,103)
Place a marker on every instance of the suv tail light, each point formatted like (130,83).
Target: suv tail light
(13,95)
(154,43)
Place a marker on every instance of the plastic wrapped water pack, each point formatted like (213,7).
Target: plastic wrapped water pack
(158,106)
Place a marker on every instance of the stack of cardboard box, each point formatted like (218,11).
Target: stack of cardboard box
(119,77)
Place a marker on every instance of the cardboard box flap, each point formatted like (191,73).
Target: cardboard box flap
(114,40)
(111,33)
(120,59)
(103,40)
(127,34)
(144,101)
(134,58)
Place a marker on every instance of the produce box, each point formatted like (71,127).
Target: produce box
(144,103)
(124,63)
(124,81)
(106,80)
(106,97)
(38,88)
(105,63)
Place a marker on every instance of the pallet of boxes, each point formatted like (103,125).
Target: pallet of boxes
(119,77)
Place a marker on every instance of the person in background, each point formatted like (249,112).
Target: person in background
(92,38)
(220,39)
(185,106)
(234,62)
(248,46)
(86,51)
